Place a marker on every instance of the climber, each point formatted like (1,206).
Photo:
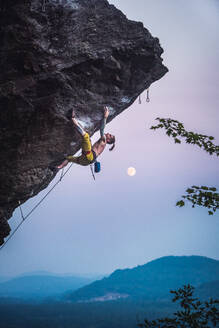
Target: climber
(89,152)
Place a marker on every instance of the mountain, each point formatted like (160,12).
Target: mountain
(135,294)
(89,276)
(40,286)
(151,281)
(208,290)
(3,279)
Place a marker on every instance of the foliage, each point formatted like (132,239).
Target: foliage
(193,313)
(202,196)
(176,129)
(111,314)
(115,314)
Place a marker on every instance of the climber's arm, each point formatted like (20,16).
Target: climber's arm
(103,123)
(63,164)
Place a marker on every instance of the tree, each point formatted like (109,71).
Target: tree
(193,312)
(201,196)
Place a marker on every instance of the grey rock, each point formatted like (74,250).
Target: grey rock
(56,55)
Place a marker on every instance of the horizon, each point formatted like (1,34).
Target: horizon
(93,275)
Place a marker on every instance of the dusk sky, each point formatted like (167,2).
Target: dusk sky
(118,221)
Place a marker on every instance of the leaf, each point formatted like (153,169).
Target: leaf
(180,203)
(174,128)
(204,188)
(190,191)
(177,140)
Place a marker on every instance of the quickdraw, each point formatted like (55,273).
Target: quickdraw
(148,98)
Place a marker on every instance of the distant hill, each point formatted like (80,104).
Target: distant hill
(3,279)
(151,281)
(135,294)
(40,286)
(208,290)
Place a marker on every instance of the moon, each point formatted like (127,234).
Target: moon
(131,171)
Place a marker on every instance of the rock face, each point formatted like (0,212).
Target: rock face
(57,55)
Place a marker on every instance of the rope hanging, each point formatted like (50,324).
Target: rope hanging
(22,215)
(62,175)
(35,207)
(92,171)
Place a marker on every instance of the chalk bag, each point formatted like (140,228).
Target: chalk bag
(97,167)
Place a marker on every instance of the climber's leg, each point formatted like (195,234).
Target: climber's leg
(87,147)
(86,143)
(77,124)
(78,127)
(73,159)
(63,164)
(87,155)
(68,159)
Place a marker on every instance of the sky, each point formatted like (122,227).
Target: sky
(118,221)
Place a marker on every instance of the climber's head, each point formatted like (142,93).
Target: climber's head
(110,139)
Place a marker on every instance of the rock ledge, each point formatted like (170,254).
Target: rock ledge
(55,56)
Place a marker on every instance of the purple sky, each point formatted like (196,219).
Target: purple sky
(121,221)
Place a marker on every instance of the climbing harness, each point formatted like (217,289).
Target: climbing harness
(35,207)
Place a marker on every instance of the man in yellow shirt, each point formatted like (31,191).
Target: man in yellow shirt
(89,152)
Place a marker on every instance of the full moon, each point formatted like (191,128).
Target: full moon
(131,171)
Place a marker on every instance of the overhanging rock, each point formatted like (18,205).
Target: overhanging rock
(54,56)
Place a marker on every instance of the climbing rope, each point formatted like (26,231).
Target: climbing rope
(35,207)
(22,215)
(92,171)
(62,175)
